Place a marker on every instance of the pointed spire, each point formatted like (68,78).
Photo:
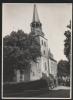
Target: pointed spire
(35,15)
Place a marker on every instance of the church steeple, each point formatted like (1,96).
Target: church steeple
(36,26)
(35,15)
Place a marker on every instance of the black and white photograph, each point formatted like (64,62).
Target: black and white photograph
(36,50)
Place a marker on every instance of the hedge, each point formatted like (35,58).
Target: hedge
(22,86)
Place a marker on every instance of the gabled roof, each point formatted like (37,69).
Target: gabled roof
(52,59)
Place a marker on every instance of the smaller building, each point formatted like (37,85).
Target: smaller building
(52,66)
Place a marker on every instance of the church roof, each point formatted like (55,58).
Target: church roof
(35,14)
(52,59)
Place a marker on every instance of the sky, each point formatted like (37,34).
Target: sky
(53,16)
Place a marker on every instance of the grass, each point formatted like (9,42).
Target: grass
(57,94)
(44,94)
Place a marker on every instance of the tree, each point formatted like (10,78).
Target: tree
(50,80)
(67,44)
(63,68)
(19,49)
(63,72)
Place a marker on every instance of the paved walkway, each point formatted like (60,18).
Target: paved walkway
(61,87)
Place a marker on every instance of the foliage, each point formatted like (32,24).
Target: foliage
(63,68)
(19,49)
(67,44)
(64,80)
(50,80)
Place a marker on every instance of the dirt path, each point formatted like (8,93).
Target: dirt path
(61,87)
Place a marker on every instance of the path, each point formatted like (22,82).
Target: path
(61,88)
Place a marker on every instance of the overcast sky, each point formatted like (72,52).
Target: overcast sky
(54,18)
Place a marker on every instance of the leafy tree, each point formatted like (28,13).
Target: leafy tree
(50,80)
(63,71)
(19,49)
(67,42)
(63,68)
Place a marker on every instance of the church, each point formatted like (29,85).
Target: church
(35,72)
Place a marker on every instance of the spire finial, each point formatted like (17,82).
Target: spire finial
(35,14)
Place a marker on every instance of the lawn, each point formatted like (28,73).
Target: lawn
(36,89)
(57,94)
(39,94)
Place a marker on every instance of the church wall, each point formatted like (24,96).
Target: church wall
(26,75)
(35,71)
(43,63)
(37,39)
(23,76)
(44,46)
(17,72)
(44,57)
(44,66)
(53,67)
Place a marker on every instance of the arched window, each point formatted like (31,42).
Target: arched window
(33,74)
(45,44)
(45,66)
(44,52)
(42,42)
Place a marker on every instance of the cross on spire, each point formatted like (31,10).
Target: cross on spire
(35,14)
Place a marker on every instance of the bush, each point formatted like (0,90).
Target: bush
(50,80)
(63,82)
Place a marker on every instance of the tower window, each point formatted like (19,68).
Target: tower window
(33,74)
(42,42)
(37,24)
(44,51)
(45,66)
(45,44)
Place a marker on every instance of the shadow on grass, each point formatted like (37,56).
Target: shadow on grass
(42,93)
(57,94)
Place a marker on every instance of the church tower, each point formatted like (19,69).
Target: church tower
(37,69)
(36,26)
